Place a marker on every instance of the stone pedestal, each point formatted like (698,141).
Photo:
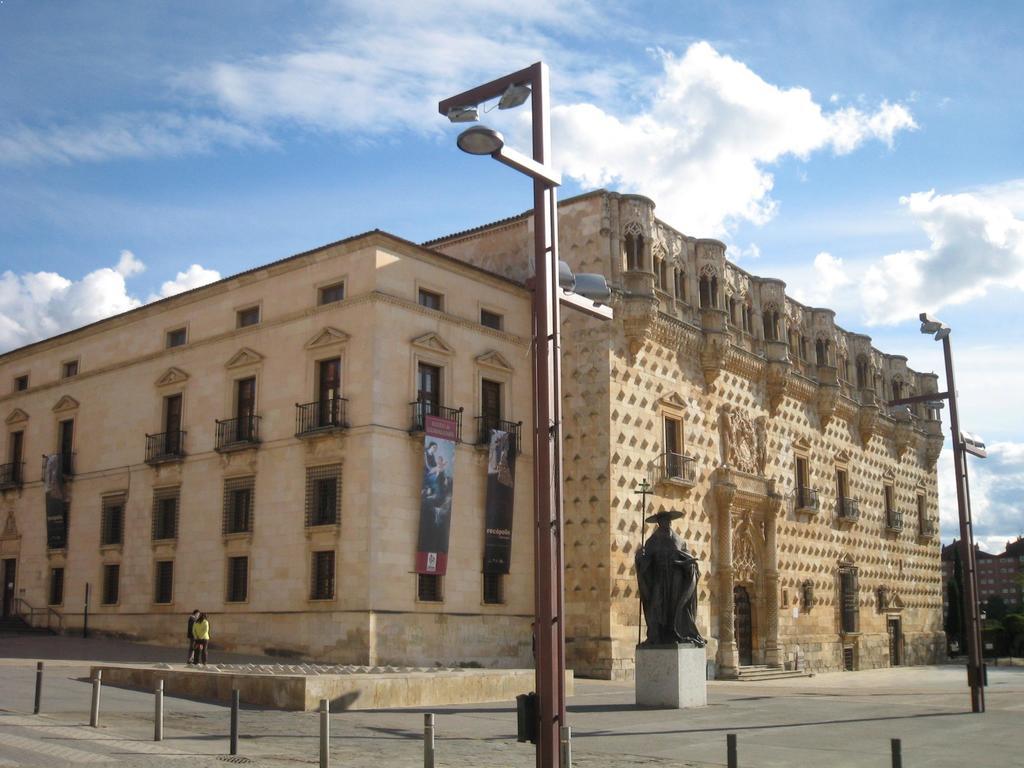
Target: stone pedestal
(671,676)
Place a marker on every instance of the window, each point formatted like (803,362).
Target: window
(734,311)
(238,580)
(922,514)
(165,513)
(112,521)
(770,320)
(56,586)
(673,447)
(490,404)
(322,581)
(494,588)
(660,273)
(238,505)
(634,247)
(849,604)
(842,486)
(21,383)
(748,318)
(680,283)
(431,300)
(323,495)
(163,582)
(69,369)
(15,456)
(862,372)
(330,293)
(248,316)
(428,588)
(490,319)
(66,433)
(177,337)
(111,579)
(821,352)
(428,388)
(802,482)
(708,291)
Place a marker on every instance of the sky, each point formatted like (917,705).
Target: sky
(868,153)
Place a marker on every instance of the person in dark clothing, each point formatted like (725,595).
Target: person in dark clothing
(191,638)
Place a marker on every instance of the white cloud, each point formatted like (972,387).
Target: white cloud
(997,484)
(819,287)
(193,277)
(37,305)
(124,136)
(702,146)
(976,243)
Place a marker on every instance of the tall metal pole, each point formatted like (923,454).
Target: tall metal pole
(974,662)
(645,488)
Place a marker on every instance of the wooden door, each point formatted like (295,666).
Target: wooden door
(743,625)
(17,449)
(172,425)
(490,404)
(67,445)
(428,388)
(10,568)
(245,407)
(328,391)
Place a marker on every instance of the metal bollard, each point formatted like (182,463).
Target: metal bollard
(325,733)
(428,740)
(897,753)
(565,741)
(94,713)
(730,749)
(158,712)
(39,687)
(234,721)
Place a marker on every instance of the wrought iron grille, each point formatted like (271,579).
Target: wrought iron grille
(11,475)
(423,408)
(428,588)
(323,495)
(237,432)
(239,493)
(485,424)
(848,600)
(894,520)
(165,513)
(163,584)
(322,578)
(112,520)
(928,528)
(321,415)
(848,509)
(165,446)
(677,468)
(494,588)
(111,583)
(238,580)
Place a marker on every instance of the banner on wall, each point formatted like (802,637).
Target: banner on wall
(56,503)
(439,439)
(501,481)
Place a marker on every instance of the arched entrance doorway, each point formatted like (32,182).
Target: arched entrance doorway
(743,625)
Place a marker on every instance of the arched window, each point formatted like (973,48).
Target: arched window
(862,372)
(660,272)
(897,389)
(634,245)
(770,319)
(679,277)
(747,316)
(821,352)
(708,290)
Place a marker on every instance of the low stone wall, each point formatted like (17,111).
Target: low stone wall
(301,688)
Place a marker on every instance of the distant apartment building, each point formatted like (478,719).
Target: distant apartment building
(999,575)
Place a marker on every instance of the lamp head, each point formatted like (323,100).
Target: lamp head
(566,279)
(467,114)
(480,140)
(593,286)
(930,326)
(513,96)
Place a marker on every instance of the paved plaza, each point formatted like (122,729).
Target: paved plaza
(836,719)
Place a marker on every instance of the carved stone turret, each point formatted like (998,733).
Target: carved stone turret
(828,393)
(867,416)
(715,344)
(777,373)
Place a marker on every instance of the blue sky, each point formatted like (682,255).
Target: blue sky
(867,153)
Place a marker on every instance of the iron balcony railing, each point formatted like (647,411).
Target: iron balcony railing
(12,475)
(485,424)
(848,509)
(39,618)
(423,408)
(235,433)
(165,446)
(676,468)
(893,520)
(807,499)
(927,529)
(321,415)
(67,464)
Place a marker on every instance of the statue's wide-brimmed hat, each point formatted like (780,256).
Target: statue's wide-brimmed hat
(672,514)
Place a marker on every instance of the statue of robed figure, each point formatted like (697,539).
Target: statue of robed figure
(667,575)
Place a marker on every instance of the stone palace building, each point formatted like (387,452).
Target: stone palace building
(255,448)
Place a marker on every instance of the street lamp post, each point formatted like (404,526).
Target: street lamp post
(549,626)
(962,445)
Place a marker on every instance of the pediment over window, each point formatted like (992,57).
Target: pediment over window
(846,561)
(16,416)
(326,337)
(66,403)
(494,359)
(172,376)
(842,457)
(243,357)
(432,342)
(802,444)
(673,400)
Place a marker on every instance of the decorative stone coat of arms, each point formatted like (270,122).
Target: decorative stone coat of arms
(743,441)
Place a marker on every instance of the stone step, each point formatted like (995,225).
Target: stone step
(756,673)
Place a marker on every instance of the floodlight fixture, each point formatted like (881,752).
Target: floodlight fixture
(973,445)
(593,286)
(936,405)
(929,324)
(466,114)
(514,95)
(942,333)
(480,140)
(566,279)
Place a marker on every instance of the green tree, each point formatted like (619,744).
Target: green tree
(955,622)
(996,608)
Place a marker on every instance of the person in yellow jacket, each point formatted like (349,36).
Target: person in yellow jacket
(201,633)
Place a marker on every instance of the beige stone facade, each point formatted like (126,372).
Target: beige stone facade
(722,390)
(368,611)
(811,506)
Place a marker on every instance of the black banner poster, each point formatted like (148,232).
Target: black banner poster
(57,506)
(436,495)
(501,481)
